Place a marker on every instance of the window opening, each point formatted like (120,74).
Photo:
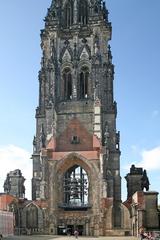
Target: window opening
(76,187)
(84,75)
(83,12)
(68,14)
(75,140)
(96,9)
(67,79)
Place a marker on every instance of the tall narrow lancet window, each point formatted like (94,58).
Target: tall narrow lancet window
(75,187)
(68,13)
(83,12)
(84,75)
(67,80)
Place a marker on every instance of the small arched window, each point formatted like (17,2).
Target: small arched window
(68,13)
(83,12)
(75,187)
(67,81)
(84,76)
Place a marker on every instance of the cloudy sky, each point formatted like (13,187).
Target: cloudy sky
(136,49)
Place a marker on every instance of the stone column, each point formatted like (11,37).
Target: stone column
(87,228)
(75,12)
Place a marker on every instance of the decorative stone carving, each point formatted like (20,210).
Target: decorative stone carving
(7,184)
(34,144)
(43,137)
(145,181)
(106,135)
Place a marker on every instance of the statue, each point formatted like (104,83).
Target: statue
(106,135)
(7,184)
(34,144)
(96,45)
(145,181)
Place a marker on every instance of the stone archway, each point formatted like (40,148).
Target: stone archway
(72,187)
(74,177)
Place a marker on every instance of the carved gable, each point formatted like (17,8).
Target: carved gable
(66,56)
(84,54)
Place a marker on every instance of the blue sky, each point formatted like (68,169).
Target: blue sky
(135,48)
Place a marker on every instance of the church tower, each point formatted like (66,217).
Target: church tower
(76,153)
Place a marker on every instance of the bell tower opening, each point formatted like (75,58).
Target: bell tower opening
(75,188)
(83,12)
(83,79)
(67,81)
(68,13)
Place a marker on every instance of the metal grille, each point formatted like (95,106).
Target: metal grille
(75,187)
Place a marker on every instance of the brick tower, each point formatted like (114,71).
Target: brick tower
(76,155)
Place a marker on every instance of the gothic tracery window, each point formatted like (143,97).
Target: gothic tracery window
(83,82)
(67,81)
(83,12)
(68,13)
(75,187)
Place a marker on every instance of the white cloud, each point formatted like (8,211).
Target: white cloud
(11,158)
(150,159)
